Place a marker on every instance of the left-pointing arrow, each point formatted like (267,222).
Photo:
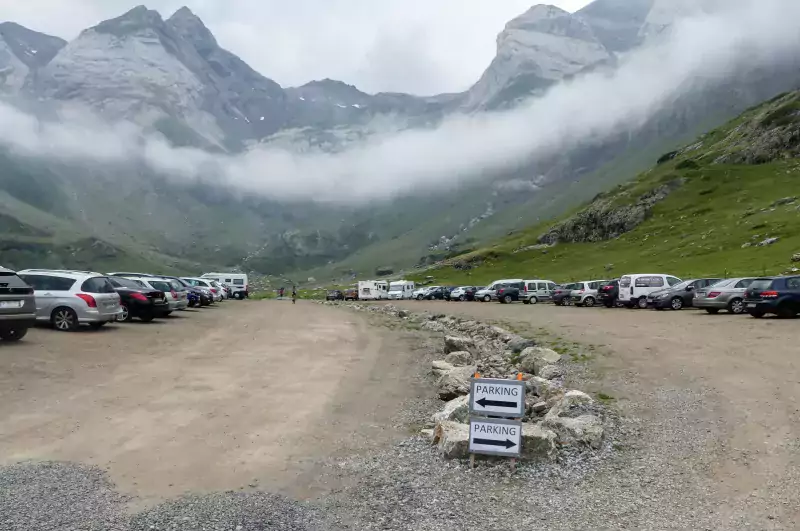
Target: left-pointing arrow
(493,442)
(483,402)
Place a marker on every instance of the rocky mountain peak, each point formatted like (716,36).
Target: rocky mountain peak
(133,21)
(617,23)
(190,27)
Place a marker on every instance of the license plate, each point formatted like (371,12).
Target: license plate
(751,305)
(11,304)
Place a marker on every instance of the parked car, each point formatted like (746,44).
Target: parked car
(509,292)
(217,290)
(198,296)
(724,295)
(634,289)
(608,294)
(174,292)
(207,296)
(779,296)
(679,296)
(137,300)
(67,299)
(561,295)
(17,306)
(586,293)
(436,294)
(463,293)
(490,293)
(538,291)
(351,294)
(448,291)
(236,283)
(485,294)
(423,293)
(334,295)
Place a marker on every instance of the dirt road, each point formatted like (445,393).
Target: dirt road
(747,370)
(245,395)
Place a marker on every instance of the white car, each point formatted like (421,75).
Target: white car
(422,292)
(634,289)
(586,293)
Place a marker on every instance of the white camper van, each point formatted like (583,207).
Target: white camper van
(236,283)
(373,290)
(401,289)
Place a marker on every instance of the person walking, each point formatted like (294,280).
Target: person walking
(281,292)
(294,294)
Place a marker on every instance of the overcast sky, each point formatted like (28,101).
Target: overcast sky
(418,46)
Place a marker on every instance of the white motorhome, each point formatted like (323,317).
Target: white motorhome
(373,290)
(401,289)
(236,283)
(634,289)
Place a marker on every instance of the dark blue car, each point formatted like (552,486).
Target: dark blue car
(779,296)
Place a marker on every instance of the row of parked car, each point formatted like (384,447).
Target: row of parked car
(68,299)
(757,296)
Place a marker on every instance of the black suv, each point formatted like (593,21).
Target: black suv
(779,296)
(509,293)
(609,293)
(17,306)
(334,295)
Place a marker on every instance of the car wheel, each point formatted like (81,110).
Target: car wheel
(487,298)
(64,319)
(642,303)
(462,298)
(507,299)
(420,297)
(589,302)
(126,314)
(97,326)
(534,300)
(676,304)
(146,317)
(713,311)
(757,315)
(13,334)
(736,306)
(526,301)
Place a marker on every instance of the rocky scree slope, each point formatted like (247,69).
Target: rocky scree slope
(726,204)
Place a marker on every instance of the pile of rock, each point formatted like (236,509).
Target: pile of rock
(555,418)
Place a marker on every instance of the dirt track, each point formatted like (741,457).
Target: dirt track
(242,395)
(748,370)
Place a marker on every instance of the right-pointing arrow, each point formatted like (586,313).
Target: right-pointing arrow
(493,442)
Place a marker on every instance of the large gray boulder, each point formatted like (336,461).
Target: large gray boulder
(542,388)
(456,410)
(460,358)
(433,326)
(583,430)
(518,344)
(538,443)
(551,372)
(439,367)
(452,439)
(532,359)
(458,344)
(455,382)
(569,404)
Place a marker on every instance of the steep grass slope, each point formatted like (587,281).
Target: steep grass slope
(728,204)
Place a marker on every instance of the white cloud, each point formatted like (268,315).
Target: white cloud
(418,46)
(705,49)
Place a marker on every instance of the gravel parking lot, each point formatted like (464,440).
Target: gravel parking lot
(270,416)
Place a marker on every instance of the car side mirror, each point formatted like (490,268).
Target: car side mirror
(689,288)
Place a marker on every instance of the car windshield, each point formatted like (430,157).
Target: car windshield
(161,285)
(682,285)
(125,283)
(396,286)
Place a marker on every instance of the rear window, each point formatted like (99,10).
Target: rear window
(761,283)
(48,283)
(744,283)
(650,282)
(161,285)
(125,283)
(793,283)
(97,285)
(625,282)
(726,283)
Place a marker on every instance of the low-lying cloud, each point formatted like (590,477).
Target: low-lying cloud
(699,51)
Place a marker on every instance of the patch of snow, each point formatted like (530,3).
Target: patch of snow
(341,106)
(356,105)
(247,120)
(262,118)
(34,52)
(302,98)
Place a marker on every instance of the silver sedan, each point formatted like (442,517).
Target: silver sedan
(724,295)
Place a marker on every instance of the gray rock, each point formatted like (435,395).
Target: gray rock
(452,439)
(539,408)
(459,359)
(458,344)
(796,258)
(538,443)
(583,430)
(542,388)
(571,401)
(455,382)
(519,344)
(768,241)
(546,355)
(439,367)
(427,433)
(551,372)
(433,326)
(456,410)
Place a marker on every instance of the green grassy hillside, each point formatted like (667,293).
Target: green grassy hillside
(736,187)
